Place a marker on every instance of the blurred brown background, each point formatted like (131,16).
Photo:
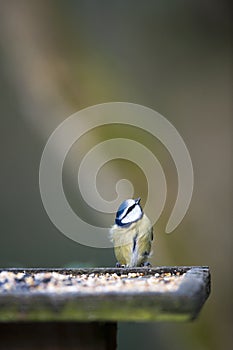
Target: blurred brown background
(175,57)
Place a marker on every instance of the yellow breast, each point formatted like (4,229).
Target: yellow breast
(132,244)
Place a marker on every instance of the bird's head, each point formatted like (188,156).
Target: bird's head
(129,212)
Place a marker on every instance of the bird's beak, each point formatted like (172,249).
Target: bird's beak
(137,201)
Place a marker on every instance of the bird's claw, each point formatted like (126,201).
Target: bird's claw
(119,265)
(146,264)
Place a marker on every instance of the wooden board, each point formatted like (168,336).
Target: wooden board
(103,294)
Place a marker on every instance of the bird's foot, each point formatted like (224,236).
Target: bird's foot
(146,264)
(119,265)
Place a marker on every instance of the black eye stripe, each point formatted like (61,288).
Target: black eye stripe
(129,210)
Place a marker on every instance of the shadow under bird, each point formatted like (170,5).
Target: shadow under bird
(132,235)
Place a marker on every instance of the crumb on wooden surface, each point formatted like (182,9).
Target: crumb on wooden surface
(55,282)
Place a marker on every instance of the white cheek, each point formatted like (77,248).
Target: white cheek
(134,215)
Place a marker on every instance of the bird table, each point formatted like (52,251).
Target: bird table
(79,308)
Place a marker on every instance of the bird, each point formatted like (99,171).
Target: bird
(132,235)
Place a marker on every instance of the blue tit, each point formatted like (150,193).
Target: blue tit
(132,234)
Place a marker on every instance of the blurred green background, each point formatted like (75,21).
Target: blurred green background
(175,57)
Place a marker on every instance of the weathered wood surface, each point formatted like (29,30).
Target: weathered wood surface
(103,294)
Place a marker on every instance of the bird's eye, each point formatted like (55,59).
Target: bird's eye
(130,209)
